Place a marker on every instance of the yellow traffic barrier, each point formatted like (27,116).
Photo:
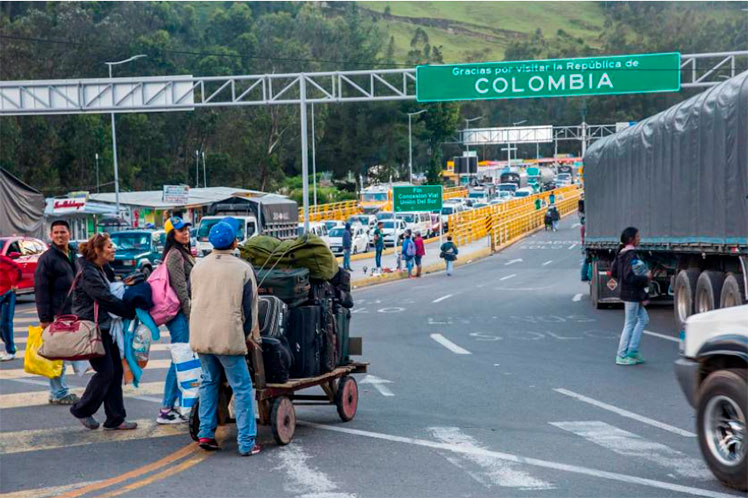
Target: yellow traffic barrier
(331,211)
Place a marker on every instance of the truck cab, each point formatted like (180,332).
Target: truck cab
(247,228)
(136,250)
(713,373)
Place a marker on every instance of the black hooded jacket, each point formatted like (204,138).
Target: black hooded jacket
(633,286)
(93,286)
(52,280)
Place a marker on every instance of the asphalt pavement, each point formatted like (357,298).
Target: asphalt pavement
(497,381)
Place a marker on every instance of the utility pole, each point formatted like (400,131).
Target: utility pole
(410,142)
(114,131)
(197,169)
(304,151)
(205,175)
(97,173)
(314,160)
(467,122)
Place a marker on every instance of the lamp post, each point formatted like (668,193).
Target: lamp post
(314,161)
(205,175)
(410,141)
(510,144)
(97,173)
(467,122)
(197,168)
(114,130)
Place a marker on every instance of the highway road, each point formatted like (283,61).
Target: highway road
(497,381)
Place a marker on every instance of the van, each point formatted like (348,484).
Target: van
(317,228)
(416,222)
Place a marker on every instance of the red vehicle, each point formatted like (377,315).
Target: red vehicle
(25,251)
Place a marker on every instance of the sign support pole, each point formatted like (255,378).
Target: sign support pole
(304,151)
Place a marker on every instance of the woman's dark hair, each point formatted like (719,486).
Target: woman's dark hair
(88,248)
(172,242)
(628,235)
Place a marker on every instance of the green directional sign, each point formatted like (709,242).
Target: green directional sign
(611,75)
(423,198)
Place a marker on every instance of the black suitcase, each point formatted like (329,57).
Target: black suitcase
(329,353)
(320,291)
(342,280)
(342,331)
(277,358)
(272,315)
(305,340)
(291,286)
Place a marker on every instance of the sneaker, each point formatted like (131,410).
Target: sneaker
(170,417)
(209,444)
(89,423)
(5,356)
(68,399)
(254,451)
(124,426)
(636,357)
(626,361)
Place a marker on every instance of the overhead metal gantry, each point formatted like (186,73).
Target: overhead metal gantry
(185,92)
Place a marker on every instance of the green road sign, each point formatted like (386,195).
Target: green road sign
(423,198)
(616,74)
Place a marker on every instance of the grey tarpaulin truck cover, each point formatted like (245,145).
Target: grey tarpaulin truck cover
(21,207)
(680,176)
(276,215)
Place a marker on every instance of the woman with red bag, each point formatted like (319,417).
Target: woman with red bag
(92,287)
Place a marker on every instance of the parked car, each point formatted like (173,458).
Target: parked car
(385,215)
(524,192)
(330,224)
(416,222)
(367,220)
(713,373)
(390,230)
(318,228)
(359,241)
(137,250)
(25,251)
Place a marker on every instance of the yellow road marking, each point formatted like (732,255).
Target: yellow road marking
(19,373)
(65,437)
(37,398)
(47,492)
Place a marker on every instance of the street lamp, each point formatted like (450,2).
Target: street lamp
(114,130)
(410,141)
(510,144)
(467,122)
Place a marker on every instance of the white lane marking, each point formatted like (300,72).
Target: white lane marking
(573,246)
(629,444)
(508,277)
(449,344)
(440,299)
(378,384)
(577,298)
(547,262)
(518,260)
(548,464)
(495,472)
(661,336)
(626,413)
(576,225)
(301,478)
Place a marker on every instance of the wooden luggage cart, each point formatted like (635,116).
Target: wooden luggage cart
(275,402)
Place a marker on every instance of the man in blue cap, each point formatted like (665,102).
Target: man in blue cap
(223,322)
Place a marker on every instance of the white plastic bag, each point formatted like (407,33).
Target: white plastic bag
(141,344)
(187,365)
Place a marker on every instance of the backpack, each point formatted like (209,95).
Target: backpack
(165,301)
(411,249)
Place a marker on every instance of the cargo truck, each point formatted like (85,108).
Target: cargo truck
(515,176)
(272,215)
(681,178)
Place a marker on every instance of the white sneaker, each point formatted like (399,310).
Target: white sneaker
(7,356)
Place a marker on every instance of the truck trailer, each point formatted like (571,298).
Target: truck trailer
(681,178)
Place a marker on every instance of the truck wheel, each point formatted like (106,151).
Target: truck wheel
(708,290)
(685,287)
(721,426)
(732,292)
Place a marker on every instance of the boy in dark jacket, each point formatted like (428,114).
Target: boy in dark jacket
(633,288)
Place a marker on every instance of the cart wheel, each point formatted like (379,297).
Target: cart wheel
(194,420)
(346,399)
(283,420)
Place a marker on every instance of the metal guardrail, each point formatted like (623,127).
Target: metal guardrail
(331,211)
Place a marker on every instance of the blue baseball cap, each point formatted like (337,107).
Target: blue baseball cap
(222,235)
(175,223)
(233,222)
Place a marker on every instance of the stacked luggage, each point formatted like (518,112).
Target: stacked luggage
(304,314)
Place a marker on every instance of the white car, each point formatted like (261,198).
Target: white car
(317,228)
(359,240)
(367,220)
(391,229)
(416,222)
(713,373)
(524,192)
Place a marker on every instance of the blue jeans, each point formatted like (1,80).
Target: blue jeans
(7,310)
(636,319)
(585,270)
(347,259)
(58,388)
(179,330)
(237,374)
(450,266)
(378,256)
(409,264)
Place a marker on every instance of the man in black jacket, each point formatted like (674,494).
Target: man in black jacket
(53,278)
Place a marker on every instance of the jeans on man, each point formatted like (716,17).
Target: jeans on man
(450,266)
(347,259)
(179,330)
(409,260)
(378,256)
(237,373)
(555,225)
(58,388)
(585,270)
(635,321)
(7,310)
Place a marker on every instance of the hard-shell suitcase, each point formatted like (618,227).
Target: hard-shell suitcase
(305,340)
(277,358)
(329,353)
(272,316)
(342,331)
(290,285)
(342,280)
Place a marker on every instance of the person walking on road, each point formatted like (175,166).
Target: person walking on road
(347,244)
(409,252)
(378,246)
(179,263)
(448,252)
(10,275)
(420,252)
(224,322)
(53,279)
(93,301)
(633,278)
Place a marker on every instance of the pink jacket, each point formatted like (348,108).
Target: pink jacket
(420,248)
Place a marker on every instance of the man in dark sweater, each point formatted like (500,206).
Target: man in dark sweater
(53,278)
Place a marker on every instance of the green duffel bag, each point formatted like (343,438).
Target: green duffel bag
(307,251)
(258,249)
